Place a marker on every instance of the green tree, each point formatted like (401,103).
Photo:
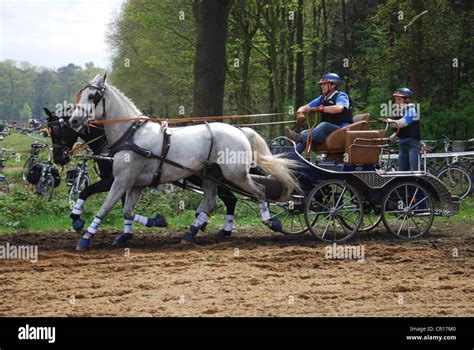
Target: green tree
(25,112)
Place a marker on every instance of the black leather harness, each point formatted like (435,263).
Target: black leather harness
(127,143)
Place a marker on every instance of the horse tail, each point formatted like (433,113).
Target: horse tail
(282,169)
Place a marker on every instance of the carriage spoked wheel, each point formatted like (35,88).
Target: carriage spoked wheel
(372,218)
(407,210)
(290,215)
(333,211)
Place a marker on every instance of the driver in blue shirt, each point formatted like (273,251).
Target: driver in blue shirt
(335,108)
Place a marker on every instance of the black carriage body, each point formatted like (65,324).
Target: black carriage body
(370,183)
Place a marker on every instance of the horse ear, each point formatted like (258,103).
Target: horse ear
(104,78)
(78,96)
(48,112)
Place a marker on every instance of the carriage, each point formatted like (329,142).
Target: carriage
(347,192)
(337,197)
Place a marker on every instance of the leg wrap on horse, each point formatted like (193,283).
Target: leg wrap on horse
(93,227)
(228,226)
(264,211)
(203,226)
(194,228)
(77,222)
(140,219)
(158,221)
(85,241)
(127,226)
(127,233)
(201,219)
(77,209)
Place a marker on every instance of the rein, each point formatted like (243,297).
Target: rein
(82,145)
(182,120)
(309,139)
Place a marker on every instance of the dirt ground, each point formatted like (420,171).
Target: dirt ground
(249,275)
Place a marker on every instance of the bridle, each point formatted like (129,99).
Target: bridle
(62,142)
(97,97)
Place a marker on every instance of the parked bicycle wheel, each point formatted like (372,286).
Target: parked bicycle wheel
(4,185)
(456,179)
(78,186)
(45,187)
(29,164)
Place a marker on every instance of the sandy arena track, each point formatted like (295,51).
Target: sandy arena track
(272,275)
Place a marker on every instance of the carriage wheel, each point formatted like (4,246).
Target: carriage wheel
(371,219)
(372,216)
(290,215)
(407,210)
(333,211)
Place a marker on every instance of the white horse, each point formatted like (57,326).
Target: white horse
(192,149)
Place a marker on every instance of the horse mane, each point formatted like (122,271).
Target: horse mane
(121,94)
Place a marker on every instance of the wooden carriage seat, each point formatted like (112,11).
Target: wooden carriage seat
(363,147)
(335,142)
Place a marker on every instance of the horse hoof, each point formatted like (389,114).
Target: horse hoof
(222,234)
(122,239)
(83,244)
(78,224)
(158,221)
(275,225)
(188,238)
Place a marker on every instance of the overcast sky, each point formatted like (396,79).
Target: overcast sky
(54,33)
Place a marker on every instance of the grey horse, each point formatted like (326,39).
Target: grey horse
(191,150)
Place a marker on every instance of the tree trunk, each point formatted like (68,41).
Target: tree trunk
(283,47)
(416,59)
(245,86)
(273,54)
(346,49)
(299,101)
(325,36)
(314,48)
(210,59)
(291,59)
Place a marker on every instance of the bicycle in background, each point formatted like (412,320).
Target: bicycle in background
(452,172)
(4,185)
(49,177)
(32,160)
(78,179)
